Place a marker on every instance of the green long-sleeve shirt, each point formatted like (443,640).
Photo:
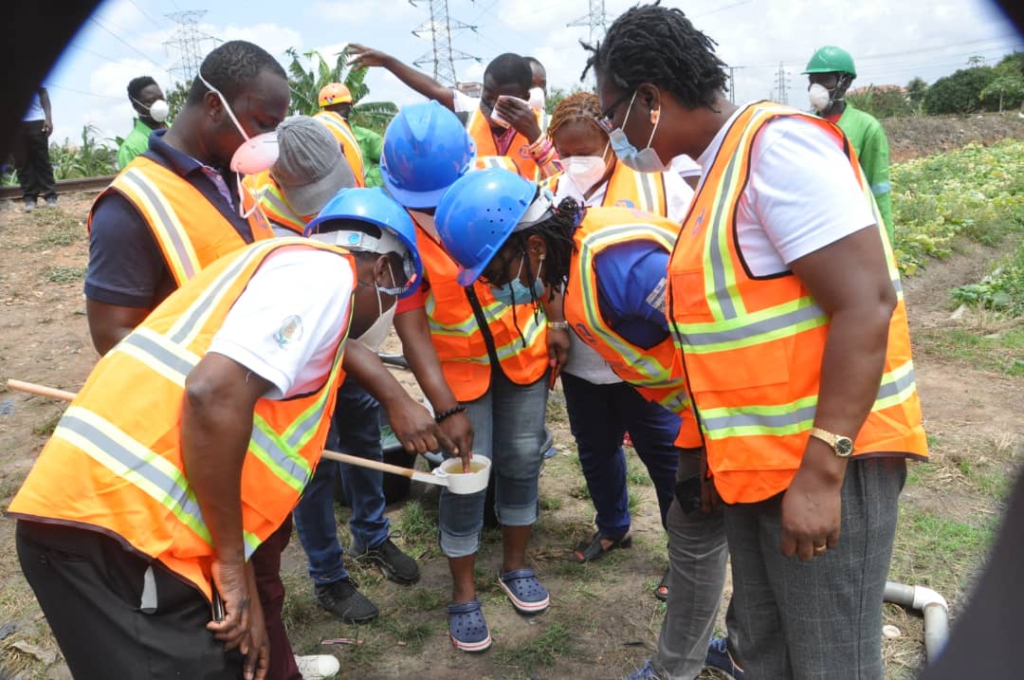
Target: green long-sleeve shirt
(135,143)
(372,145)
(868,139)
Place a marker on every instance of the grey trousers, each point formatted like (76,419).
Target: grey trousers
(698,555)
(819,619)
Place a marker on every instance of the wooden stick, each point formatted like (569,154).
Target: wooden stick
(43,391)
(40,390)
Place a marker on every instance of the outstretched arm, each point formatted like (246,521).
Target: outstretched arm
(364,57)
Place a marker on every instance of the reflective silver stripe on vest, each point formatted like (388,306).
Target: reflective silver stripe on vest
(153,350)
(717,261)
(772,421)
(750,330)
(137,179)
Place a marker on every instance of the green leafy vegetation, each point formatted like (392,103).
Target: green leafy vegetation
(1002,290)
(62,274)
(974,192)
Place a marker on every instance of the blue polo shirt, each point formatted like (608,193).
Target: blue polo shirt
(631,284)
(126,265)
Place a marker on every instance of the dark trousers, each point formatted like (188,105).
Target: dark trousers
(32,161)
(117,615)
(820,619)
(266,564)
(599,416)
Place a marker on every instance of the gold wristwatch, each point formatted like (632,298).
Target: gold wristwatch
(841,446)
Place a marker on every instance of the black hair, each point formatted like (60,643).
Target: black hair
(534,60)
(557,232)
(137,85)
(510,69)
(231,67)
(659,45)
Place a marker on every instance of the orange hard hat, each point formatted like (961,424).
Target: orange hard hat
(335,93)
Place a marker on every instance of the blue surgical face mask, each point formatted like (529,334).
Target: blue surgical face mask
(641,161)
(518,292)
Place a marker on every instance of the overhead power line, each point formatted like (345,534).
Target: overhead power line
(122,40)
(438,29)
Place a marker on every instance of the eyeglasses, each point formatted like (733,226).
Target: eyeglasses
(605,119)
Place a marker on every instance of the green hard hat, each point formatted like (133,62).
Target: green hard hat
(831,59)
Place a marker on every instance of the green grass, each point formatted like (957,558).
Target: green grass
(61,229)
(417,525)
(1002,352)
(46,428)
(422,600)
(1002,291)
(61,274)
(553,643)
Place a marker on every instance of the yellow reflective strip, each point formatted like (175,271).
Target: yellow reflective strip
(177,245)
(168,369)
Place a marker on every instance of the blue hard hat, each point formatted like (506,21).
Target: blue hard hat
(375,207)
(477,214)
(426,148)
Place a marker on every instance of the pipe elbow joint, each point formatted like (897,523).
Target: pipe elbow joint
(926,597)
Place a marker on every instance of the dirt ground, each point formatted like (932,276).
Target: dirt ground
(604,619)
(918,136)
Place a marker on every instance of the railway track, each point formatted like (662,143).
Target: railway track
(64,186)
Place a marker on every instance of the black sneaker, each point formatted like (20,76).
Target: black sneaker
(342,599)
(392,562)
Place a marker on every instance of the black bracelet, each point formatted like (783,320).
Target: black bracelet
(443,415)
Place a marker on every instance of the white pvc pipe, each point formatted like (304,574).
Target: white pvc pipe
(934,608)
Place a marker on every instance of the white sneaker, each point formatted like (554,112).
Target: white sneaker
(317,667)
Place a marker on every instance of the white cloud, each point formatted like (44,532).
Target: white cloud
(350,12)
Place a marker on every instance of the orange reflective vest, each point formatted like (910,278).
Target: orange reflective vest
(273,202)
(114,462)
(656,372)
(517,159)
(752,348)
(191,232)
(342,131)
(628,188)
(462,345)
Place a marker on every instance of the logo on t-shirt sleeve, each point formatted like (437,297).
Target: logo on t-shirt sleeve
(290,332)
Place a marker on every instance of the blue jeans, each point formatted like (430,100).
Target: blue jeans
(508,428)
(355,429)
(599,416)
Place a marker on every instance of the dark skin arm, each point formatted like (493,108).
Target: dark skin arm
(849,279)
(414,331)
(44,101)
(520,116)
(216,425)
(412,423)
(363,57)
(109,324)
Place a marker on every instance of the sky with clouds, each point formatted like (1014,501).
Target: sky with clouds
(892,41)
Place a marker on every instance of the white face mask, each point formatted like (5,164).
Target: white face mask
(537,99)
(819,97)
(585,171)
(374,336)
(158,110)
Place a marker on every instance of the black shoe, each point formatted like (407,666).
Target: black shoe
(346,603)
(392,562)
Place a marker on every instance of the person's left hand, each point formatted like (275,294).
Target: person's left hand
(811,515)
(460,430)
(558,348)
(520,116)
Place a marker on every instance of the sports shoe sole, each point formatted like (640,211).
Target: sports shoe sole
(525,607)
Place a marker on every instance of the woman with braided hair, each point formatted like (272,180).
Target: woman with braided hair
(601,406)
(511,235)
(783,299)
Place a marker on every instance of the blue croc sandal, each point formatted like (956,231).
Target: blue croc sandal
(467,627)
(525,591)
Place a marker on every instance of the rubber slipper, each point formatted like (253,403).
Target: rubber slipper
(467,627)
(590,551)
(527,594)
(661,592)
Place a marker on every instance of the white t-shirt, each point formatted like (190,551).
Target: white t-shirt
(685,166)
(584,361)
(286,325)
(802,194)
(463,103)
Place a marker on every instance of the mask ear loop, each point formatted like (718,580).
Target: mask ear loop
(242,191)
(656,119)
(227,107)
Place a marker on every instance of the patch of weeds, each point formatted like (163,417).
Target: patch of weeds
(1003,352)
(62,274)
(46,428)
(636,472)
(412,633)
(634,502)
(299,610)
(580,491)
(550,503)
(556,641)
(63,231)
(422,600)
(938,551)
(486,581)
(418,527)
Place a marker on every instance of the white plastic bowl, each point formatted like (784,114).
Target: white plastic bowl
(465,482)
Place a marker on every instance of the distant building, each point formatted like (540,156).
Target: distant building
(471,89)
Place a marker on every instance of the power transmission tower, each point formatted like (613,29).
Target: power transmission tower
(189,42)
(439,29)
(596,20)
(782,85)
(732,82)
